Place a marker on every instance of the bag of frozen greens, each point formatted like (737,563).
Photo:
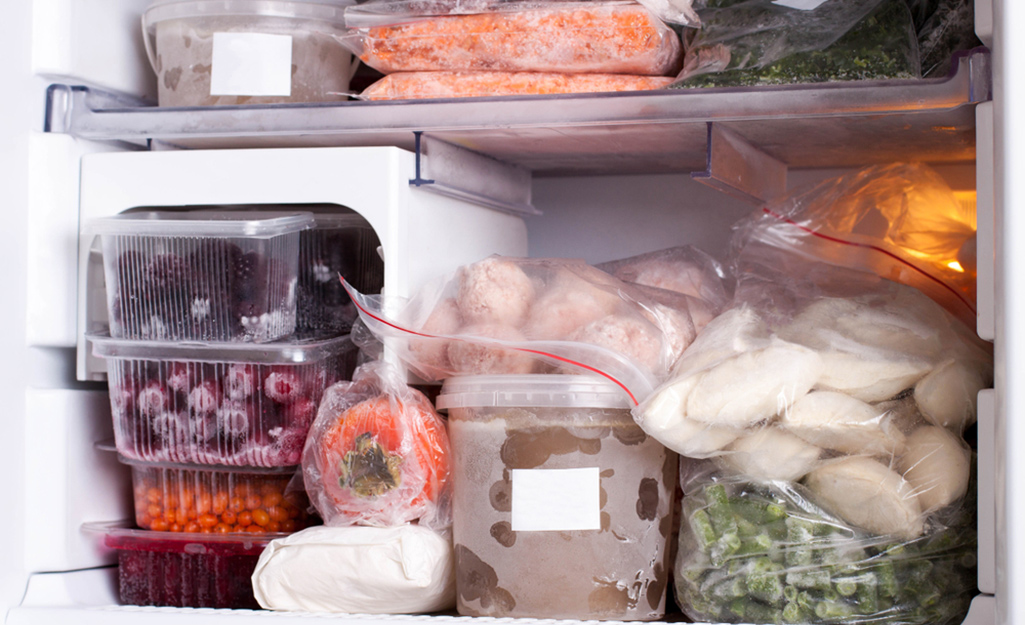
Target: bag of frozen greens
(763,42)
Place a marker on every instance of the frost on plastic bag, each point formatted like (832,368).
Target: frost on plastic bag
(377,454)
(763,42)
(944,27)
(686,270)
(607,37)
(901,222)
(768,552)
(426,85)
(519,315)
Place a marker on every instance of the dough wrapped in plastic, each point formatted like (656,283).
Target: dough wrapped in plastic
(843,423)
(406,569)
(937,465)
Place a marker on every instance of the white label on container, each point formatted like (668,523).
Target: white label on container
(555,500)
(803,5)
(252,64)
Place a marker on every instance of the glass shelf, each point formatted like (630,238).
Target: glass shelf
(838,124)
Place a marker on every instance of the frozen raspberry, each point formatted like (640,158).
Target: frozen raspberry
(286,449)
(233,418)
(283,386)
(240,381)
(300,413)
(205,397)
(153,399)
(172,431)
(178,377)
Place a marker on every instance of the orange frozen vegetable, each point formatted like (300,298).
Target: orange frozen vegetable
(610,38)
(383,461)
(420,85)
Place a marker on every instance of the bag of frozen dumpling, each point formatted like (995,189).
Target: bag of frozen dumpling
(753,551)
(506,315)
(377,453)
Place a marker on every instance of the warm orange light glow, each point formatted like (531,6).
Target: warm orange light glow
(956,266)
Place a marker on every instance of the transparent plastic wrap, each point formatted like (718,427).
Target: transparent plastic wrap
(607,37)
(686,270)
(505,315)
(406,569)
(944,27)
(899,221)
(377,454)
(423,85)
(763,42)
(766,552)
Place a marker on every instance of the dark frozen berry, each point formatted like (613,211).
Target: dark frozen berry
(283,386)
(205,397)
(179,378)
(300,413)
(240,381)
(167,274)
(153,399)
(233,418)
(250,277)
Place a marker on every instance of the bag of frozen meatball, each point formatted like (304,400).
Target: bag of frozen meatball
(377,453)
(504,315)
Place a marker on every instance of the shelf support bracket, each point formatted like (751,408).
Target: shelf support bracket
(454,171)
(739,169)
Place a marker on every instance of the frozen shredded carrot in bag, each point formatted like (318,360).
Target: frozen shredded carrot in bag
(570,37)
(421,85)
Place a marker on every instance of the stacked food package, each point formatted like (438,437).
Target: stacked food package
(212,392)
(447,50)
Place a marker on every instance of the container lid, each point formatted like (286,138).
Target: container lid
(283,352)
(123,537)
(323,10)
(209,468)
(255,224)
(534,391)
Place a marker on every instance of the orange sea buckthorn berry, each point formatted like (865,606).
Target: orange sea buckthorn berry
(222,528)
(153,510)
(159,525)
(183,517)
(277,513)
(220,502)
(169,515)
(191,527)
(253,502)
(229,517)
(245,518)
(152,495)
(204,503)
(207,520)
(175,528)
(288,525)
(272,499)
(273,526)
(260,517)
(255,529)
(237,504)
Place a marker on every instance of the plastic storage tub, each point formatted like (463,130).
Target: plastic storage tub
(563,505)
(216,52)
(235,404)
(195,499)
(201,276)
(340,244)
(184,570)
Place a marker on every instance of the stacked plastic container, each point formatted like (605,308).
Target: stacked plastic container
(512,48)
(212,391)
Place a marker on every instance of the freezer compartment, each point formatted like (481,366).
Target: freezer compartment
(201,276)
(194,499)
(227,404)
(183,570)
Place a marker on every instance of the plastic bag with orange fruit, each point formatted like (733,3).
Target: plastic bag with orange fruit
(378,454)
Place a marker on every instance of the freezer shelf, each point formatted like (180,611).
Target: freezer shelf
(840,124)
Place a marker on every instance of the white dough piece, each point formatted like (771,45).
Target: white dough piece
(840,422)
(937,465)
(495,290)
(948,395)
(736,331)
(364,570)
(870,376)
(754,386)
(662,417)
(771,454)
(867,494)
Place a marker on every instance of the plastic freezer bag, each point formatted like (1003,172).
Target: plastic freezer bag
(881,46)
(377,453)
(607,37)
(505,315)
(753,35)
(767,552)
(422,85)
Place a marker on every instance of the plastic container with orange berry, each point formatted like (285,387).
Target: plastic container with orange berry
(199,499)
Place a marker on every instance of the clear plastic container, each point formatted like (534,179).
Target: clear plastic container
(184,570)
(202,276)
(234,404)
(196,499)
(228,52)
(343,245)
(562,506)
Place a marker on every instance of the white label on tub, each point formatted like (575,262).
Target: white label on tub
(554,500)
(803,5)
(251,64)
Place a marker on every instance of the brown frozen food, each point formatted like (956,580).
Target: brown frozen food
(424,85)
(611,37)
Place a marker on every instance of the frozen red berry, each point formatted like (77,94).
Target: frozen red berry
(240,381)
(178,377)
(153,399)
(205,397)
(283,386)
(300,413)
(233,418)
